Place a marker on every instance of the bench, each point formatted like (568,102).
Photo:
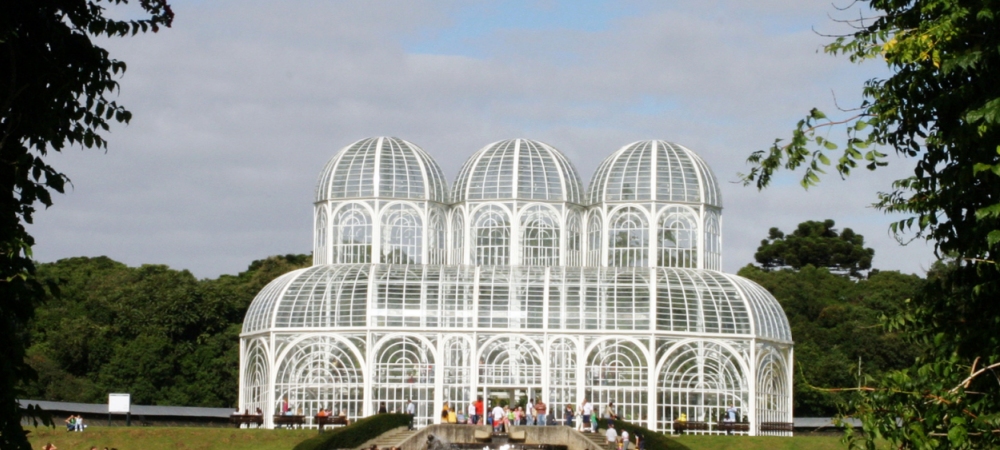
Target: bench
(733,426)
(681,427)
(777,426)
(322,421)
(294,421)
(246,419)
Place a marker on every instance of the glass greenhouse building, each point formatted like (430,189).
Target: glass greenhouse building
(514,283)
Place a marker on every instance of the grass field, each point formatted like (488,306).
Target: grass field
(154,438)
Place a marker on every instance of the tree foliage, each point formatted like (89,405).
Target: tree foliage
(940,108)
(157,333)
(835,324)
(817,244)
(55,88)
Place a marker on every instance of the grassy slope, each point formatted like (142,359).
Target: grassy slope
(153,438)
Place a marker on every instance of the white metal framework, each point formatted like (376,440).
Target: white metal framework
(517,284)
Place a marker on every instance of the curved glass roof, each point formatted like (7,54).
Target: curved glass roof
(679,301)
(518,169)
(382,167)
(654,170)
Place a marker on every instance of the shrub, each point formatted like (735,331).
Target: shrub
(654,440)
(356,433)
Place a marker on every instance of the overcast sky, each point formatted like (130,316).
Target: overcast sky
(239,105)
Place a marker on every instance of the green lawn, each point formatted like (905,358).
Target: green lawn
(155,438)
(179,438)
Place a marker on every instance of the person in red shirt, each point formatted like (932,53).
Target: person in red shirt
(540,410)
(479,408)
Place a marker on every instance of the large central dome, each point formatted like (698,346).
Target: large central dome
(518,169)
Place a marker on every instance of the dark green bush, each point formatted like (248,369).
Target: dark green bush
(654,440)
(356,433)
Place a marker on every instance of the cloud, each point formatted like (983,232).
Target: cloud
(238,107)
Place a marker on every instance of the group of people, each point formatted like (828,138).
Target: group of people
(502,417)
(75,423)
(620,442)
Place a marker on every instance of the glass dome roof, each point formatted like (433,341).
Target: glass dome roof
(518,169)
(654,170)
(603,298)
(382,167)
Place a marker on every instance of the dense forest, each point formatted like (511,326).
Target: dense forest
(160,334)
(171,339)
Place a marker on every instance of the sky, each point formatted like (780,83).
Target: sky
(239,105)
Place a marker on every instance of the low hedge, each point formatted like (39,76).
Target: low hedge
(356,433)
(654,440)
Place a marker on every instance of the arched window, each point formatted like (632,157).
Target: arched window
(628,239)
(713,241)
(354,235)
(574,245)
(492,237)
(436,237)
(402,235)
(458,237)
(677,238)
(594,231)
(321,229)
(539,237)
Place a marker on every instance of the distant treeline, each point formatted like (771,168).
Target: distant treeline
(171,339)
(160,334)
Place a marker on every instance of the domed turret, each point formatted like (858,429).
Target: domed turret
(657,171)
(385,167)
(518,169)
(380,199)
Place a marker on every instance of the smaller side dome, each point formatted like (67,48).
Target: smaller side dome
(654,170)
(382,167)
(518,169)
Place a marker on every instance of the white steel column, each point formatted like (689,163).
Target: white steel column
(366,396)
(240,403)
(439,380)
(271,381)
(752,386)
(651,411)
(790,373)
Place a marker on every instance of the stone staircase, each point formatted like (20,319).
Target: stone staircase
(598,438)
(391,438)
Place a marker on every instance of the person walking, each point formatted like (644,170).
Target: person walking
(612,436)
(624,439)
(498,416)
(473,414)
(411,410)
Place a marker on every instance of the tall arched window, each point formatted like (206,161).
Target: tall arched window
(539,237)
(402,235)
(354,235)
(321,228)
(713,241)
(435,237)
(677,238)
(595,231)
(492,237)
(458,237)
(574,246)
(628,239)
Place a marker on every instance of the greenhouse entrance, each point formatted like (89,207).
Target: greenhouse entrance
(508,396)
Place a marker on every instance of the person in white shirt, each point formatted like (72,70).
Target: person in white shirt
(473,417)
(498,416)
(624,439)
(531,411)
(411,410)
(588,410)
(612,435)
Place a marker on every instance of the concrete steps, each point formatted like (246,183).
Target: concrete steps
(598,438)
(391,438)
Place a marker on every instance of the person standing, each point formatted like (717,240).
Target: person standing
(531,411)
(624,439)
(498,416)
(473,416)
(568,415)
(540,410)
(479,408)
(588,410)
(382,409)
(411,410)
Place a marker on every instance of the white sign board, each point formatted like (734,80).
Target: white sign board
(119,403)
